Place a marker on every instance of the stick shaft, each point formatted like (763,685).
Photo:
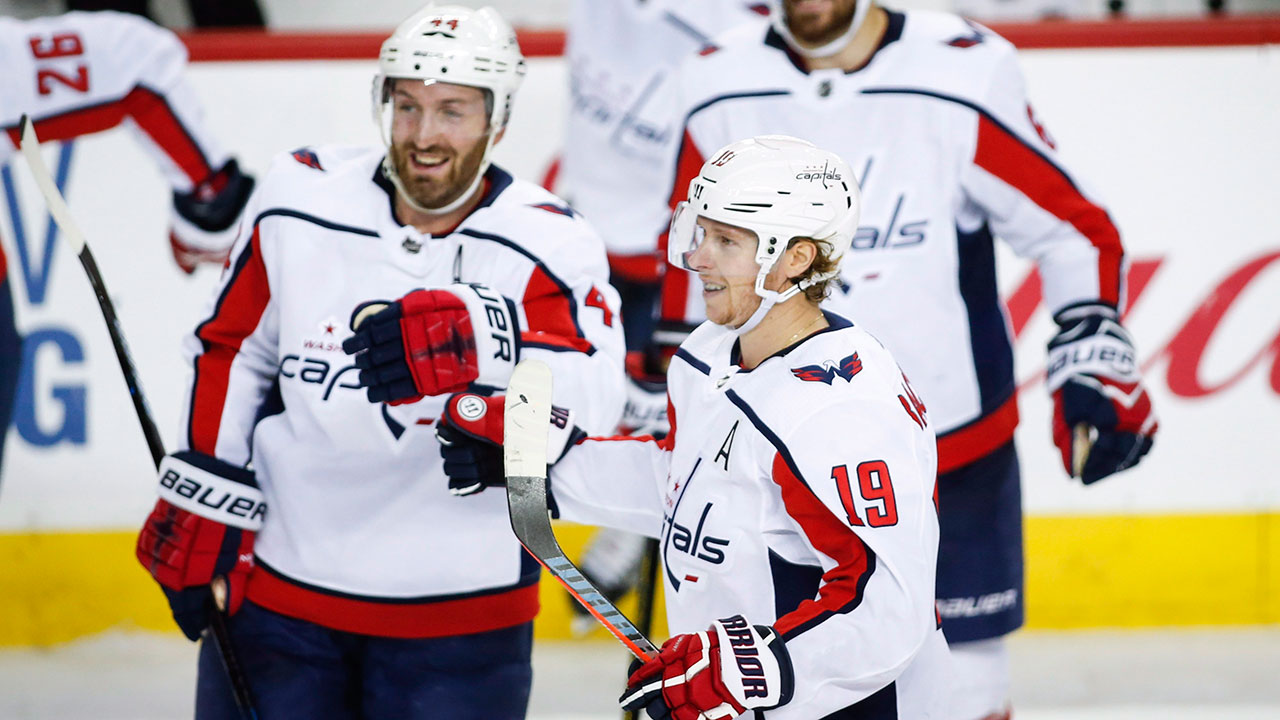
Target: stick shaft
(62,216)
(528,415)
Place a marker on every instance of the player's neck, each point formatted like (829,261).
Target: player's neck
(786,324)
(438,223)
(860,48)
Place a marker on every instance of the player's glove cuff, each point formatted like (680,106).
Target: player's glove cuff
(1090,341)
(205,486)
(205,219)
(496,328)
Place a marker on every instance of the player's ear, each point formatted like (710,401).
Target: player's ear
(498,138)
(798,258)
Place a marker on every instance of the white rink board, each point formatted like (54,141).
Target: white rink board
(1180,143)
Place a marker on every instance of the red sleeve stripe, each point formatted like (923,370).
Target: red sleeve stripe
(842,586)
(236,316)
(550,309)
(148,109)
(549,306)
(151,111)
(1006,156)
(1002,153)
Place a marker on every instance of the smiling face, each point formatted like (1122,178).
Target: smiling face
(817,22)
(725,260)
(439,134)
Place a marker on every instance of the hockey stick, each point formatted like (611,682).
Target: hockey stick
(1081,444)
(646,594)
(62,216)
(524,454)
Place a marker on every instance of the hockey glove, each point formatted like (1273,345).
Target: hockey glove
(204,221)
(646,410)
(470,435)
(1102,417)
(434,342)
(202,527)
(722,672)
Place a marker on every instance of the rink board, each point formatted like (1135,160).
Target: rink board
(1084,572)
(1187,538)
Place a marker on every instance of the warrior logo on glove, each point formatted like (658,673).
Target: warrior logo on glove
(721,672)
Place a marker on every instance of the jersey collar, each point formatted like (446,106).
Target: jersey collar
(834,322)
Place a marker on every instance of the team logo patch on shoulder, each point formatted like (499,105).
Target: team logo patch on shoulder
(564,210)
(307,157)
(967,41)
(829,370)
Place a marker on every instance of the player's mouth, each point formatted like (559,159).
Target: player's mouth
(429,163)
(710,288)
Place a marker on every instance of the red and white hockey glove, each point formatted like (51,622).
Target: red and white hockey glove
(470,435)
(434,342)
(204,221)
(201,528)
(1102,417)
(722,672)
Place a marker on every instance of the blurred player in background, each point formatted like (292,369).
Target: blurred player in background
(619,51)
(359,585)
(795,494)
(931,112)
(82,73)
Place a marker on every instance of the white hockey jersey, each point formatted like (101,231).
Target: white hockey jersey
(83,72)
(799,494)
(619,51)
(361,532)
(949,156)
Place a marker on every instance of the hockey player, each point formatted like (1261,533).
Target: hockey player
(931,110)
(82,73)
(794,495)
(359,586)
(618,52)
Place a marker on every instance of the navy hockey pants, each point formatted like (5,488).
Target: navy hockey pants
(298,669)
(980,583)
(10,359)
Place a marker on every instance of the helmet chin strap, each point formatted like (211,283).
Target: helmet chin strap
(831,48)
(768,298)
(389,171)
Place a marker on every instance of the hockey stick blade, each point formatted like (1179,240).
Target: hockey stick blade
(57,205)
(524,454)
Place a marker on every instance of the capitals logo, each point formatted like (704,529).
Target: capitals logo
(829,371)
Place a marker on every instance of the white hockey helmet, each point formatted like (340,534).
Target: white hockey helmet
(456,45)
(778,18)
(780,188)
